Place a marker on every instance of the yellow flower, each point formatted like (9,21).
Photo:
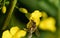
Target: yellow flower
(21,33)
(4,9)
(48,24)
(6,34)
(23,10)
(35,16)
(14,32)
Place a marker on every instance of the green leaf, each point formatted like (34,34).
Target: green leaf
(55,2)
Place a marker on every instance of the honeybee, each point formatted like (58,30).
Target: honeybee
(31,28)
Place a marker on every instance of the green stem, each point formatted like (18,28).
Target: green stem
(12,6)
(0,1)
(58,21)
(4,2)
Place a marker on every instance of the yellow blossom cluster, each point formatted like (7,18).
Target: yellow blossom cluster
(14,32)
(47,23)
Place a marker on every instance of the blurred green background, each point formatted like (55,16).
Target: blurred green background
(19,19)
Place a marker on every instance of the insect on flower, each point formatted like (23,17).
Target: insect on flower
(31,28)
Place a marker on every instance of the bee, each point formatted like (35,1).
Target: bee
(31,28)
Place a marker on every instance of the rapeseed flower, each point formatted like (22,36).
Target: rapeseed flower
(35,16)
(14,32)
(47,23)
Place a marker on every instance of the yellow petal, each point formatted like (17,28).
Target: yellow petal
(13,30)
(37,21)
(14,36)
(51,24)
(42,25)
(36,14)
(23,10)
(48,24)
(44,15)
(21,33)
(6,34)
(4,9)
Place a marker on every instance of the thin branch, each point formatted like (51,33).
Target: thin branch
(12,6)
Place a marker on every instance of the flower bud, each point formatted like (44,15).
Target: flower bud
(23,10)
(4,9)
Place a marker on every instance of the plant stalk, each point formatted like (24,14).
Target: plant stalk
(8,17)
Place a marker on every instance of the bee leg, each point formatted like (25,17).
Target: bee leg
(30,35)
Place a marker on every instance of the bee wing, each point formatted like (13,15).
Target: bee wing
(37,33)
